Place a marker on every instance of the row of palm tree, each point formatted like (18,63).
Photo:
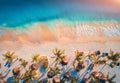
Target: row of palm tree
(55,73)
(99,77)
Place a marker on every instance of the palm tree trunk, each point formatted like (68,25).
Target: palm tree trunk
(103,67)
(86,71)
(6,73)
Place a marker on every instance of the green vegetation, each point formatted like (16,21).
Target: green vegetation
(56,72)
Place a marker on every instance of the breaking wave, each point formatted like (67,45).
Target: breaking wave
(64,31)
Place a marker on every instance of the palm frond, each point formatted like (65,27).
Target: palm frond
(14,56)
(73,80)
(43,60)
(8,54)
(58,52)
(23,63)
(35,57)
(110,79)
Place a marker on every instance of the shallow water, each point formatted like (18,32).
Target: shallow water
(58,20)
(15,13)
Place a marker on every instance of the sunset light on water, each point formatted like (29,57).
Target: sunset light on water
(59,41)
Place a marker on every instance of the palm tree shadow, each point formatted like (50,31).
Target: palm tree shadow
(3,71)
(6,74)
(44,70)
(10,79)
(8,65)
(103,67)
(68,67)
(74,73)
(87,70)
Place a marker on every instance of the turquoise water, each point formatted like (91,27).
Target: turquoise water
(15,13)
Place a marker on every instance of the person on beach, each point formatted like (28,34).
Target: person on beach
(56,80)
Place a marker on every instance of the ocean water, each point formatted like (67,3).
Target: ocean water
(14,13)
(58,20)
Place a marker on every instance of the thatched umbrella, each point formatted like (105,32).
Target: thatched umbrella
(64,61)
(80,66)
(34,66)
(56,79)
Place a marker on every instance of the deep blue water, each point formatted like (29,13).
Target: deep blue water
(20,12)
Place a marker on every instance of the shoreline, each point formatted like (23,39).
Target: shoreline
(115,45)
(63,32)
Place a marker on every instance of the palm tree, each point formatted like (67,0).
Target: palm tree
(23,63)
(92,56)
(16,71)
(80,66)
(110,79)
(28,76)
(43,60)
(113,64)
(97,77)
(78,60)
(9,56)
(73,80)
(114,58)
(97,60)
(79,55)
(53,71)
(16,74)
(34,57)
(59,54)
(31,74)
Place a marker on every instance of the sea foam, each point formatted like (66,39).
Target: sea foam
(63,31)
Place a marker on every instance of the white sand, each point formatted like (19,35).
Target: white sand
(25,50)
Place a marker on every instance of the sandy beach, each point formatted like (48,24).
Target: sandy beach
(34,34)
(43,41)
(26,50)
